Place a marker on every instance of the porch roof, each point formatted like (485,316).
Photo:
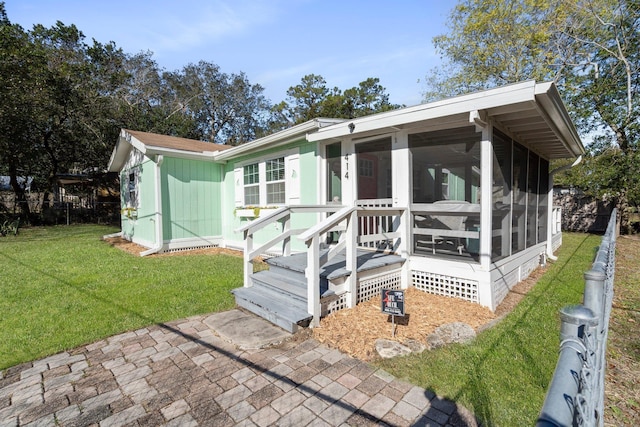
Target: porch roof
(533,113)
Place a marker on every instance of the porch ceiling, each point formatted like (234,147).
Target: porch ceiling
(531,112)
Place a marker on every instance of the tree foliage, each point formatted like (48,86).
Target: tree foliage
(63,101)
(312,98)
(590,48)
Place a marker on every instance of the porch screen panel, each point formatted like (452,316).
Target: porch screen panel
(446,165)
(374,169)
(519,188)
(543,200)
(501,196)
(532,199)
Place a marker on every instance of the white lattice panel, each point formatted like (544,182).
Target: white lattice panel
(370,287)
(336,305)
(446,285)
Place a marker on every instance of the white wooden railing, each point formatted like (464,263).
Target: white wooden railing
(348,220)
(282,215)
(355,227)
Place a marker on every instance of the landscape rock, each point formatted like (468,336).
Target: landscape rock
(456,332)
(388,348)
(415,345)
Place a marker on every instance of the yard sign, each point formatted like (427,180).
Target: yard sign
(393,304)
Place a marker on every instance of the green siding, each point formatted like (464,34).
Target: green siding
(190,199)
(142,228)
(308,194)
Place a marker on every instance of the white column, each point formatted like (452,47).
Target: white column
(486,202)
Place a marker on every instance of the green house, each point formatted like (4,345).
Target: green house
(451,197)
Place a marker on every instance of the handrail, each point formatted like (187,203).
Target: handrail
(324,226)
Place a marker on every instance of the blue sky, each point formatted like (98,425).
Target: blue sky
(275,42)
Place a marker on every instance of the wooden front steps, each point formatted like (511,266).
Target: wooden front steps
(280,293)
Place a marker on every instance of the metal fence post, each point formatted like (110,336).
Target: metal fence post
(559,404)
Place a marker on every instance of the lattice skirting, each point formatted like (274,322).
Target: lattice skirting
(335,305)
(446,285)
(367,288)
(372,286)
(190,248)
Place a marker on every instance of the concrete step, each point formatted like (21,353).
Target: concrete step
(279,309)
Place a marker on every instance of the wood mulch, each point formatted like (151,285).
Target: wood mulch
(354,331)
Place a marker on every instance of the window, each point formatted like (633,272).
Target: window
(275,181)
(132,190)
(365,167)
(251,184)
(263,183)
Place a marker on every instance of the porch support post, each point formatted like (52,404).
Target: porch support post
(352,258)
(402,196)
(486,202)
(312,274)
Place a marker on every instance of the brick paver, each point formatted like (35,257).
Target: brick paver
(182,374)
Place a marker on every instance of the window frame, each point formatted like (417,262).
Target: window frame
(264,199)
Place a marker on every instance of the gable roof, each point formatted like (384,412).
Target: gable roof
(533,113)
(175,143)
(151,144)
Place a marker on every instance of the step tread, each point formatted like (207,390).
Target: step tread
(287,308)
(281,283)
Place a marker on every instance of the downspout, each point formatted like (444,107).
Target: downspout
(158,216)
(550,206)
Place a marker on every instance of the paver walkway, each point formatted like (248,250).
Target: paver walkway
(183,374)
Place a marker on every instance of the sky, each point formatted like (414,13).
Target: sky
(274,42)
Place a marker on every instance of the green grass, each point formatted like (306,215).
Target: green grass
(62,287)
(504,374)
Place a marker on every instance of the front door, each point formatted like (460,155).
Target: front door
(374,169)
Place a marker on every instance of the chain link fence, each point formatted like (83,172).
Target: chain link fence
(576,393)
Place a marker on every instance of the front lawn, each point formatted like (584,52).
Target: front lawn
(63,286)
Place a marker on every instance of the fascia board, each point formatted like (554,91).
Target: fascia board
(275,140)
(511,94)
(549,99)
(190,155)
(119,154)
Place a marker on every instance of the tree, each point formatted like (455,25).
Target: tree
(225,108)
(311,99)
(590,48)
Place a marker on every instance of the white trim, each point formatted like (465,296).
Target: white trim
(261,161)
(293,134)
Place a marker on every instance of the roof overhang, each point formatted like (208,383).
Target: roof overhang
(278,139)
(533,113)
(152,145)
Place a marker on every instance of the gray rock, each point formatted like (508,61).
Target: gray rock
(388,349)
(456,332)
(414,345)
